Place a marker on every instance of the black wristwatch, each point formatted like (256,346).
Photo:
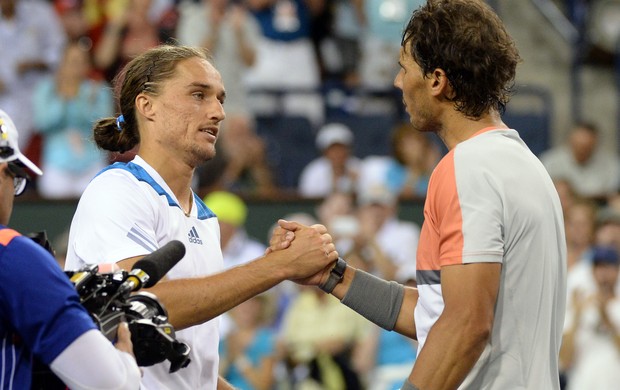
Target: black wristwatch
(335,276)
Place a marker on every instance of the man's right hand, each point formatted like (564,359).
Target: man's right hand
(310,248)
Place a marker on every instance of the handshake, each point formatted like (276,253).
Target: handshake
(309,254)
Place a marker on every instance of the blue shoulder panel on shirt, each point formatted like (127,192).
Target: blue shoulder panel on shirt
(142,175)
(203,211)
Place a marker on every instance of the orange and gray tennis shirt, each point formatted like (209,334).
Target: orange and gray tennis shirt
(490,200)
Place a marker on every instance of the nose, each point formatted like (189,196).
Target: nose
(398,80)
(218,112)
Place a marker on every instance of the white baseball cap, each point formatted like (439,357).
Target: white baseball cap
(333,133)
(9,149)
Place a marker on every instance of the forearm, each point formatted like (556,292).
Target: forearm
(452,348)
(223,385)
(404,323)
(567,349)
(91,362)
(246,52)
(192,301)
(108,48)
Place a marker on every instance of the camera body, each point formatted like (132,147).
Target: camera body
(106,298)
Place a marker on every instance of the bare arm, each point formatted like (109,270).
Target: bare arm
(192,301)
(107,51)
(567,349)
(222,384)
(459,336)
(246,51)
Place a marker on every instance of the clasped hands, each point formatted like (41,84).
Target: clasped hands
(310,251)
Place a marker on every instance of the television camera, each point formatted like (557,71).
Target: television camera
(109,300)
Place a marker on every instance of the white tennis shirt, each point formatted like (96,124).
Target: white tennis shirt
(128,210)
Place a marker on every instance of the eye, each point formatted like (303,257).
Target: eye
(198,95)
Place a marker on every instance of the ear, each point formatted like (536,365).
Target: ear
(440,85)
(144,106)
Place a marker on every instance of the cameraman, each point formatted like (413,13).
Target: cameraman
(40,311)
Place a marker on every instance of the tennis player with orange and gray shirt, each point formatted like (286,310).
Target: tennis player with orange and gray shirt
(491,262)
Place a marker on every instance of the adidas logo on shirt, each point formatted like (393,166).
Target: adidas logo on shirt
(193,236)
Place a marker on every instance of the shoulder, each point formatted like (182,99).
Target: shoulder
(14,244)
(114,190)
(315,167)
(20,255)
(111,183)
(7,235)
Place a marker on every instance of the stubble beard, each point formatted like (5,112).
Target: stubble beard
(199,154)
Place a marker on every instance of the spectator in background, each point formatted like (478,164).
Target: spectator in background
(567,194)
(407,173)
(580,232)
(608,224)
(384,242)
(415,157)
(337,212)
(337,169)
(286,59)
(230,34)
(74,22)
(318,340)
(248,352)
(240,164)
(592,171)
(381,43)
(132,29)
(347,28)
(237,247)
(31,38)
(247,170)
(591,342)
(65,108)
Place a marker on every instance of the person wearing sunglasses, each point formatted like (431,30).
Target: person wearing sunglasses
(40,312)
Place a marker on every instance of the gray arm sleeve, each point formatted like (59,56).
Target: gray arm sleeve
(374,298)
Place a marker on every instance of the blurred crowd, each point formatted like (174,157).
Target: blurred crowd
(306,60)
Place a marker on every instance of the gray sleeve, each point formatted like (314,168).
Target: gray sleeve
(376,299)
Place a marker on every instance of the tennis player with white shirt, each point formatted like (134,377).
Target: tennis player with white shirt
(171,102)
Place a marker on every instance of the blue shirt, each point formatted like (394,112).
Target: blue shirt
(66,124)
(279,25)
(40,311)
(262,346)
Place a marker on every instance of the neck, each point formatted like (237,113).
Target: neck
(458,128)
(176,174)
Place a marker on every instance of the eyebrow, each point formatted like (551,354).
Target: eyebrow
(204,86)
